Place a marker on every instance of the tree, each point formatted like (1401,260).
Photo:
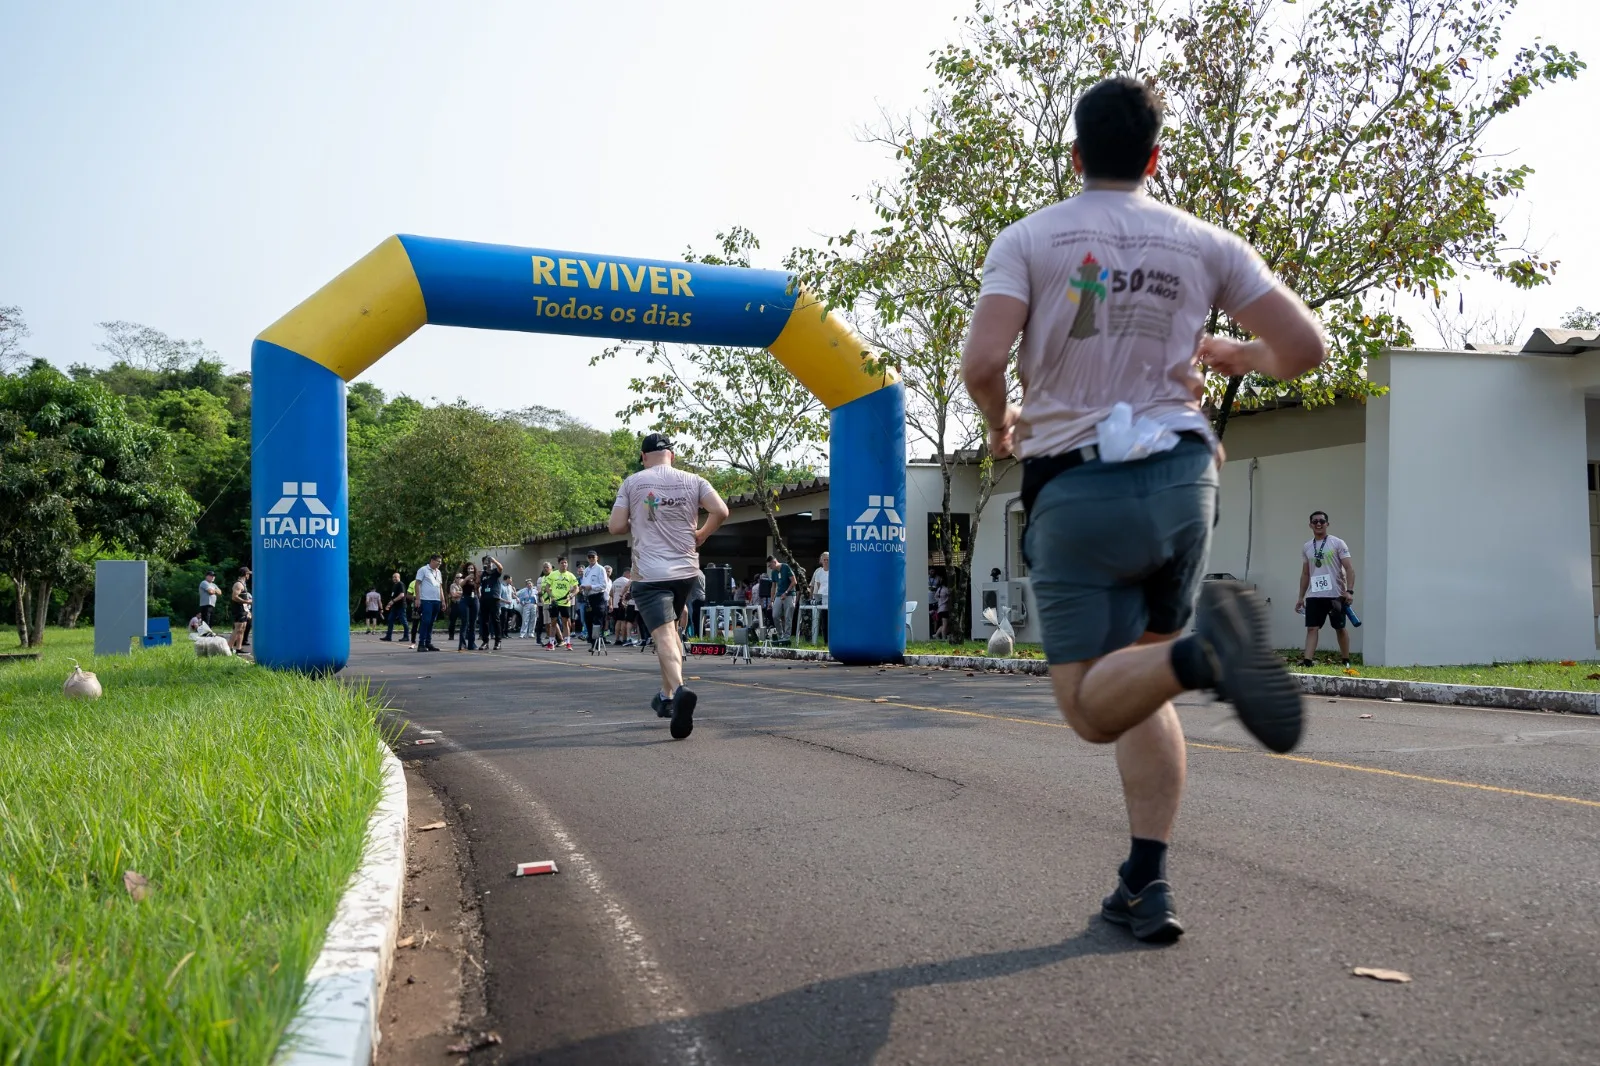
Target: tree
(149,349)
(77,470)
(456,479)
(1578,318)
(13,330)
(1342,138)
(733,407)
(1493,325)
(583,465)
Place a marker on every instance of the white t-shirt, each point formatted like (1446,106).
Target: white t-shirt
(1327,579)
(374,601)
(663,505)
(429,584)
(1118,289)
(819,584)
(208,593)
(594,579)
(619,591)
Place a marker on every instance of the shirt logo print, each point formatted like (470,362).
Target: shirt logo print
(652,502)
(1087,290)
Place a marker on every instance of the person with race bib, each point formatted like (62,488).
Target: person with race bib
(1327,586)
(562,587)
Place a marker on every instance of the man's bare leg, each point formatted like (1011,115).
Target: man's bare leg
(1311,643)
(1101,699)
(669,656)
(1344,639)
(1151,760)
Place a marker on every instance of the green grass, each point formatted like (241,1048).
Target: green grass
(240,793)
(1543,675)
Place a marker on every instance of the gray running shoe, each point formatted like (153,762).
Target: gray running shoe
(1149,915)
(1232,621)
(661,705)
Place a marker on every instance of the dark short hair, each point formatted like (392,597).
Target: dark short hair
(434,556)
(561,558)
(1118,123)
(772,558)
(1312,516)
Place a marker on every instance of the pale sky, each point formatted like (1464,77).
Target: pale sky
(202,167)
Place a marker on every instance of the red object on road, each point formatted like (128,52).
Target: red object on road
(531,869)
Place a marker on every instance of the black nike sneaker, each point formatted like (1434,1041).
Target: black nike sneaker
(682,708)
(661,705)
(1148,915)
(1232,621)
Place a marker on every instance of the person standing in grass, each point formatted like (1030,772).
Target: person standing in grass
(1327,586)
(242,600)
(209,591)
(373,608)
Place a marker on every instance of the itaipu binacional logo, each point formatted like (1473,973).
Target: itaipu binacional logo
(281,527)
(878,528)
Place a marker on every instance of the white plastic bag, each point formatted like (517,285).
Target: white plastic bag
(1003,641)
(1123,440)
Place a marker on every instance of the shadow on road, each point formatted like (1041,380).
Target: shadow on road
(844,1021)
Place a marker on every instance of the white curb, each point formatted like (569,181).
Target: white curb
(1365,688)
(338,1018)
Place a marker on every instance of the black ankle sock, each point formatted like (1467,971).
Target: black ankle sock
(1192,663)
(1147,862)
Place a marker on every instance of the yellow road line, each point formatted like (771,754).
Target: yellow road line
(1327,763)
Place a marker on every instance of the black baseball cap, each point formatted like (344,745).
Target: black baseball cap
(655,442)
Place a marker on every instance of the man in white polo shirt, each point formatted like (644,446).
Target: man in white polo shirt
(430,598)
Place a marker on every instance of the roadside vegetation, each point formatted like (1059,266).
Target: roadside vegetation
(170,854)
(1570,676)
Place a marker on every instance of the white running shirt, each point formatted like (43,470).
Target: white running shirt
(1118,289)
(663,506)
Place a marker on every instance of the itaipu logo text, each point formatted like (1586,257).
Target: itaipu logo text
(282,528)
(878,528)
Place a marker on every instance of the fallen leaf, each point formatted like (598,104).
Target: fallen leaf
(441,825)
(1569,662)
(406,942)
(138,885)
(1393,976)
(473,1043)
(425,740)
(1351,671)
(971,674)
(694,677)
(1364,716)
(1593,677)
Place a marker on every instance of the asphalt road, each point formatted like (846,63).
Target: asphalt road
(817,877)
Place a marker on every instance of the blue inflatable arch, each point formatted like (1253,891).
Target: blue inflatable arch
(301,364)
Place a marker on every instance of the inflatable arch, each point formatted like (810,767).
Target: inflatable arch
(300,364)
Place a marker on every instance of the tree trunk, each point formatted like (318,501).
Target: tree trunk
(769,507)
(40,604)
(1232,393)
(954,627)
(22,609)
(68,618)
(987,480)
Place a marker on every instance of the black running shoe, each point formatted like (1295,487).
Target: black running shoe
(1149,916)
(1232,621)
(682,707)
(661,705)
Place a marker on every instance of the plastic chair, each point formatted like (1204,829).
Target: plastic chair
(156,631)
(911,609)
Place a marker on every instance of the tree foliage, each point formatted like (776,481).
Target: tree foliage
(456,479)
(1342,138)
(77,469)
(13,331)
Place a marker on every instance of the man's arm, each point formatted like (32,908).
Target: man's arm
(1289,339)
(716,513)
(1305,581)
(1349,565)
(619,523)
(996,324)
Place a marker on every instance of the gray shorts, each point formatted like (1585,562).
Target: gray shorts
(660,602)
(1115,550)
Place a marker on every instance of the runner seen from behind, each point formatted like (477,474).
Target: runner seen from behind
(660,507)
(1110,292)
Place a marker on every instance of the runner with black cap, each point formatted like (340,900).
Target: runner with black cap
(660,507)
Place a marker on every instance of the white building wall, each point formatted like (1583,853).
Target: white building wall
(1476,466)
